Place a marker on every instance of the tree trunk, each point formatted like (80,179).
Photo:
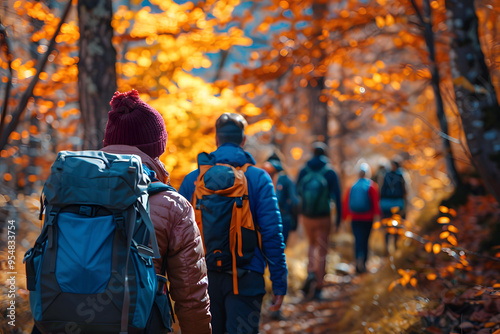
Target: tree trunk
(96,68)
(318,108)
(475,95)
(318,111)
(426,20)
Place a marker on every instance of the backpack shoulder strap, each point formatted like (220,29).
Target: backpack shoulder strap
(156,187)
(245,167)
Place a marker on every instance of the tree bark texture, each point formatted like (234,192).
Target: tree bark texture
(475,94)
(96,68)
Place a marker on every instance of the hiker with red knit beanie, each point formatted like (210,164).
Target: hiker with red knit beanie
(134,127)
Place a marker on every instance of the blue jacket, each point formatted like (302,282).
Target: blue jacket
(316,163)
(265,213)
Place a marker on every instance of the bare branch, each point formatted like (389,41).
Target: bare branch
(28,93)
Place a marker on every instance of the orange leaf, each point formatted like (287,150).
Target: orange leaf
(452,240)
(431,276)
(428,247)
(444,235)
(392,285)
(443,209)
(413,282)
(443,220)
(436,248)
(489,324)
(452,228)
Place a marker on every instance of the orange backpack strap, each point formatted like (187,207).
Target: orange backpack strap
(241,216)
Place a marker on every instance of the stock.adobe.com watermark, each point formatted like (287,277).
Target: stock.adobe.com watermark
(11,274)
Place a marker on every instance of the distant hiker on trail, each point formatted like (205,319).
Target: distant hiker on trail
(317,185)
(113,229)
(288,202)
(237,211)
(379,175)
(361,204)
(393,198)
(285,191)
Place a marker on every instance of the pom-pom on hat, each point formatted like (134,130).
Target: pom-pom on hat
(133,122)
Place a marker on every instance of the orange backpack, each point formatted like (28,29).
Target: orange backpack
(223,216)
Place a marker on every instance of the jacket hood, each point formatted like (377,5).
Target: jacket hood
(232,154)
(316,163)
(155,164)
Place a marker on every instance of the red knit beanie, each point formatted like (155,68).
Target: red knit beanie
(133,122)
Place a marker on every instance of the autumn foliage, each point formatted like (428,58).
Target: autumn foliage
(356,74)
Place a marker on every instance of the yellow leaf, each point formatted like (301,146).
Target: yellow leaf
(436,248)
(452,228)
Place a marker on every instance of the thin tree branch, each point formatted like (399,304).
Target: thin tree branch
(28,93)
(4,42)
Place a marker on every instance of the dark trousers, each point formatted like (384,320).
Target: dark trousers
(361,231)
(232,314)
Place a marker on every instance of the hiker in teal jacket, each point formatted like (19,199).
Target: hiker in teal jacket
(241,313)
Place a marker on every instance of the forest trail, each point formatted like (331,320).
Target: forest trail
(303,314)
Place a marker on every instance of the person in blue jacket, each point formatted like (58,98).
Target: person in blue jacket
(240,313)
(317,186)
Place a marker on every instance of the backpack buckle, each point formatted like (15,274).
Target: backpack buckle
(239,202)
(86,211)
(120,222)
(198,204)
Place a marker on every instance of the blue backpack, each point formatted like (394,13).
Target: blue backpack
(223,215)
(91,268)
(359,199)
(314,193)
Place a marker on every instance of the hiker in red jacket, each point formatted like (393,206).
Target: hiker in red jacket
(362,205)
